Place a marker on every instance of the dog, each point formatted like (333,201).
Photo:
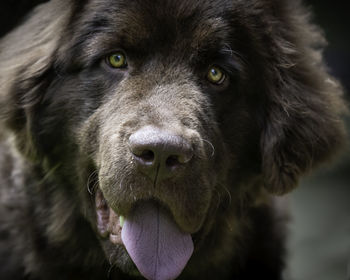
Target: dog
(151,139)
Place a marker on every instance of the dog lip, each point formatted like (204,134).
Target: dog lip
(115,238)
(109,223)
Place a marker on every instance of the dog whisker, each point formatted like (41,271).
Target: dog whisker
(228,194)
(121,182)
(49,173)
(211,146)
(111,265)
(88,185)
(218,198)
(110,258)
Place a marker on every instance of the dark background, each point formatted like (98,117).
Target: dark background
(319,244)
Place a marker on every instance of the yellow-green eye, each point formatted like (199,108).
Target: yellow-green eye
(117,60)
(215,75)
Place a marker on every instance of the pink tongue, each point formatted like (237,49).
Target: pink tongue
(155,243)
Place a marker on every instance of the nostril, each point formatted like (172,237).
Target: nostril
(172,161)
(147,156)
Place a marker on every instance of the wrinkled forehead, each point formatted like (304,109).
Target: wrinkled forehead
(154,24)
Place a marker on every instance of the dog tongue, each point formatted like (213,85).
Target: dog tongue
(155,243)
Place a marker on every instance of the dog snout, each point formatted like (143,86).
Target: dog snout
(159,154)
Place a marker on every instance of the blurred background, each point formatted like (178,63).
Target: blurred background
(319,244)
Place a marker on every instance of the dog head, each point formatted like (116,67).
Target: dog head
(175,107)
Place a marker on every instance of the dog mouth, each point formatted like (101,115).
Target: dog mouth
(153,240)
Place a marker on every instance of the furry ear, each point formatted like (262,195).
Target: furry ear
(303,108)
(26,62)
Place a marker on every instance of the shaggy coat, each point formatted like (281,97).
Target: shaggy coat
(69,120)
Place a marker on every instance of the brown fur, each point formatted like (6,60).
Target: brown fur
(67,117)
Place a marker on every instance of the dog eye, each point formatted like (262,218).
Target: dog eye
(117,60)
(215,75)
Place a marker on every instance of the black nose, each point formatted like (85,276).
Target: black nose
(158,153)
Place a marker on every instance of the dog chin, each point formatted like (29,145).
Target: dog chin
(119,258)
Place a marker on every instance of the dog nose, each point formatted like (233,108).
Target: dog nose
(159,153)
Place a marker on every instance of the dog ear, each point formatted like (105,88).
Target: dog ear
(26,62)
(303,108)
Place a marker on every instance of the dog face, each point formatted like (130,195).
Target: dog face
(186,105)
(149,125)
